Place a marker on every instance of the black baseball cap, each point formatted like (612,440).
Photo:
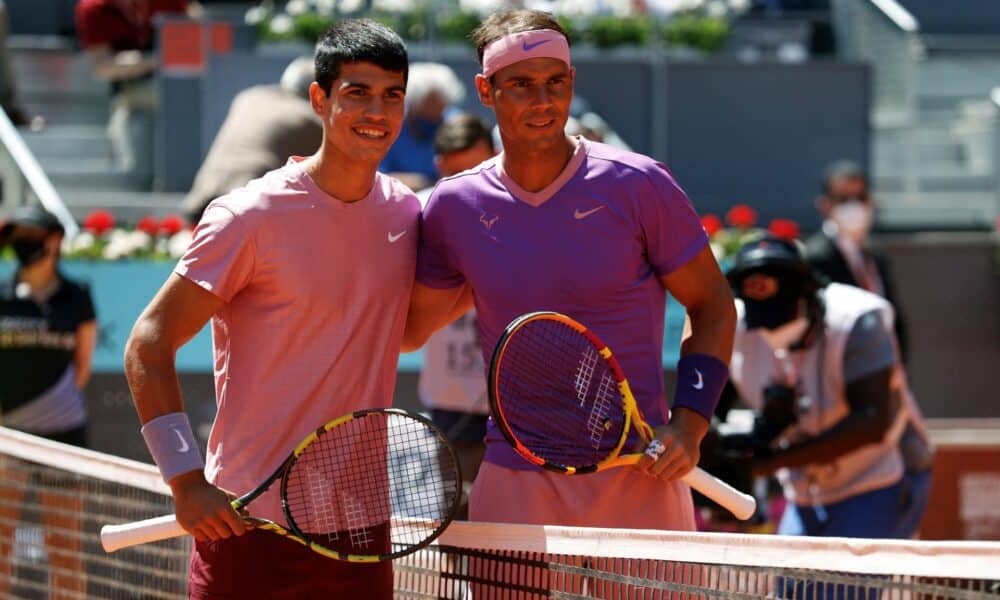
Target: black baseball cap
(29,216)
(770,275)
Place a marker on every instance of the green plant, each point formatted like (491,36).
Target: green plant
(572,28)
(309,26)
(608,31)
(704,33)
(413,25)
(456,26)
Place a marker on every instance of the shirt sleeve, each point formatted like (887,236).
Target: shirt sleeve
(436,267)
(221,256)
(869,348)
(87,312)
(89,19)
(673,232)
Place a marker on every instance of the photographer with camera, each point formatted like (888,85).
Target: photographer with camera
(820,367)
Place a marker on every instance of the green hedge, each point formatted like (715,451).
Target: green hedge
(707,34)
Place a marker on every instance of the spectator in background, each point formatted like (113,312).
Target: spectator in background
(453,380)
(8,90)
(117,36)
(432,89)
(819,362)
(266,124)
(840,251)
(47,338)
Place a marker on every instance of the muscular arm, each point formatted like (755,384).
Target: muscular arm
(869,359)
(177,313)
(703,290)
(431,309)
(871,416)
(86,339)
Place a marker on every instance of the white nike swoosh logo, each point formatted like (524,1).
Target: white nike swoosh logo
(393,238)
(184,447)
(701,382)
(578,214)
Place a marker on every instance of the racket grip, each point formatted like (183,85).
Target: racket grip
(116,537)
(743,506)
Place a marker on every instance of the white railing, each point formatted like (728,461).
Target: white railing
(885,35)
(23,179)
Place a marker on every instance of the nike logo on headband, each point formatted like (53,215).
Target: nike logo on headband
(528,47)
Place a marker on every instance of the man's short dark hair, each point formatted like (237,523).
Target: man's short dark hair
(842,169)
(358,40)
(461,133)
(503,23)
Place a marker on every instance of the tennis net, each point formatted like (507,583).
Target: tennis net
(55,498)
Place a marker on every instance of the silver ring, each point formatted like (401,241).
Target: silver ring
(655,449)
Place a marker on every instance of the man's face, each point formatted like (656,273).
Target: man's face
(363,114)
(844,189)
(456,162)
(531,100)
(432,108)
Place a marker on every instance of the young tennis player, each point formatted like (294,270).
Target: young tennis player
(564,224)
(305,275)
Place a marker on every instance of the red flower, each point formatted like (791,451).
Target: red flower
(742,216)
(99,221)
(784,228)
(172,224)
(148,225)
(711,223)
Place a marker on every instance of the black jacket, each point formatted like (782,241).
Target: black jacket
(826,258)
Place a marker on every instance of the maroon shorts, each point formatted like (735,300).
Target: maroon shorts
(260,564)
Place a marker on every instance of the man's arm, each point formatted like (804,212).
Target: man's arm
(869,361)
(177,313)
(871,416)
(700,286)
(86,340)
(431,309)
(115,66)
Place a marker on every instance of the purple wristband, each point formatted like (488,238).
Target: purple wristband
(700,379)
(172,444)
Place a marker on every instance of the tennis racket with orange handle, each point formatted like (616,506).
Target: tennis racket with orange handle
(560,398)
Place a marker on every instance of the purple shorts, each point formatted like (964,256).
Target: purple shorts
(260,564)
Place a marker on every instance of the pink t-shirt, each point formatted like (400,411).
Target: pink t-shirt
(316,292)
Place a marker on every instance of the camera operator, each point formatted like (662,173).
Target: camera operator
(819,364)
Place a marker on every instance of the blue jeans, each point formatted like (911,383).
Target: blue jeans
(875,514)
(917,492)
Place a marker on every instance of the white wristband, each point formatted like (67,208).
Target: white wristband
(172,444)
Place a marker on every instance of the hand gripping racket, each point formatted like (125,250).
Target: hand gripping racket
(372,485)
(561,399)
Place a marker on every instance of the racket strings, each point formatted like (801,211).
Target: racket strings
(559,397)
(374,485)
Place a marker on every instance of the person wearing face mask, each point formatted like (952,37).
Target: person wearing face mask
(48,332)
(47,337)
(819,360)
(431,97)
(840,251)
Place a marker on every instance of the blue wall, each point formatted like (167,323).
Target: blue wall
(122,289)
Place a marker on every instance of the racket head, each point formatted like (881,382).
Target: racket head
(372,485)
(558,395)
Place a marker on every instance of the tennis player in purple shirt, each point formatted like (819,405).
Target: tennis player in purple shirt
(602,235)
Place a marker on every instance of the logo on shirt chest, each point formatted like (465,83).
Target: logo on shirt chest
(488,220)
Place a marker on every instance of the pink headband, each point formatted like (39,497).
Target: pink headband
(538,43)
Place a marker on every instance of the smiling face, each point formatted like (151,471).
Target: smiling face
(363,113)
(531,101)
